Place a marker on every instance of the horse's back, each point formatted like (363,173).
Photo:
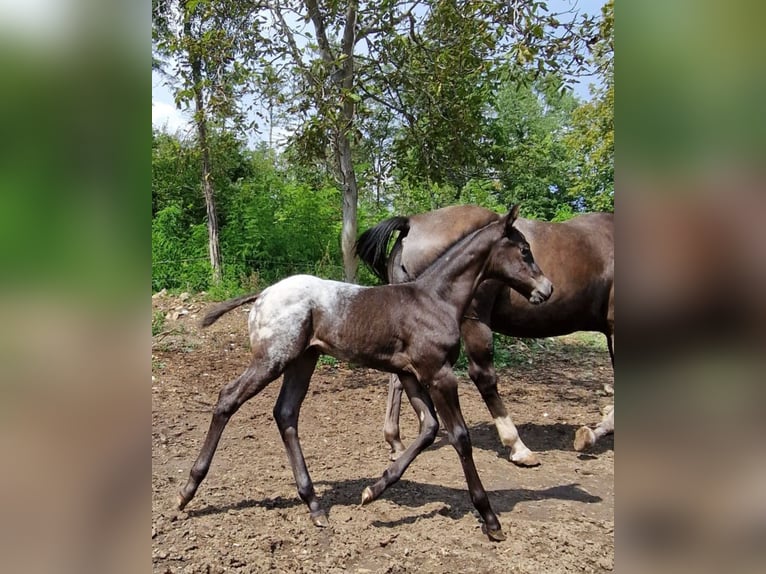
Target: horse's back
(578,257)
(433,232)
(583,244)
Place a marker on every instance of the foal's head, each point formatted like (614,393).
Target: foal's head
(511,261)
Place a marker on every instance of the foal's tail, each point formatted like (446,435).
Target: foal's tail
(372,245)
(215,313)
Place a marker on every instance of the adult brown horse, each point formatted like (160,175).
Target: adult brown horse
(577,255)
(411,329)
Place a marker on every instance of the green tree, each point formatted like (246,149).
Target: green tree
(591,139)
(200,45)
(531,121)
(423,61)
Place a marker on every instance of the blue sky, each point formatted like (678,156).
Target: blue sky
(165,113)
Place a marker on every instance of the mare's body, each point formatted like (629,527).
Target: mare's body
(577,256)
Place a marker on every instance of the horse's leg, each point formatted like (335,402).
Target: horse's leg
(391,424)
(232,396)
(610,324)
(609,389)
(477,341)
(586,437)
(286,412)
(444,394)
(429,426)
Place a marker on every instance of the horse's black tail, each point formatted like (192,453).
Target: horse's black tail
(215,313)
(372,245)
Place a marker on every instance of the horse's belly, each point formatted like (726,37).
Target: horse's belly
(550,319)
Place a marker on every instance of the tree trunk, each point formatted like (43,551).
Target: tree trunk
(350,200)
(207,186)
(212,218)
(343,79)
(350,189)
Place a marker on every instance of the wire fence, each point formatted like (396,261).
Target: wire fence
(194,273)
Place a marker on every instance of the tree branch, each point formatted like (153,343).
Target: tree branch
(316,18)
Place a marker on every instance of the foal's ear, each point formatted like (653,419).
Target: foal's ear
(513,213)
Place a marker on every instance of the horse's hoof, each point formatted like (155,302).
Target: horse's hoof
(320,519)
(494,535)
(526,459)
(367,496)
(584,439)
(181,502)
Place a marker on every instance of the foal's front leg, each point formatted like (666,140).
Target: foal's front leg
(445,397)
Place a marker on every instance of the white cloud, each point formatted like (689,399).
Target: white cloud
(167,117)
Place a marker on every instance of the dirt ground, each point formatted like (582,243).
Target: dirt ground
(247,516)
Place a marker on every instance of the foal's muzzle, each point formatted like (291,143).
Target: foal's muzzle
(541,292)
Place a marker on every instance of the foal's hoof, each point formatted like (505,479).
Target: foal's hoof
(493,535)
(181,502)
(584,439)
(320,519)
(367,496)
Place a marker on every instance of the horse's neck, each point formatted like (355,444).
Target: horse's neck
(455,275)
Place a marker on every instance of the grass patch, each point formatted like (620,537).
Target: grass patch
(511,352)
(328,361)
(158,323)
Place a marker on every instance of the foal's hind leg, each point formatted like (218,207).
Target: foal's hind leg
(444,394)
(232,396)
(286,412)
(429,426)
(477,340)
(391,424)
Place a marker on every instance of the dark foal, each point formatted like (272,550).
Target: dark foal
(412,330)
(578,257)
